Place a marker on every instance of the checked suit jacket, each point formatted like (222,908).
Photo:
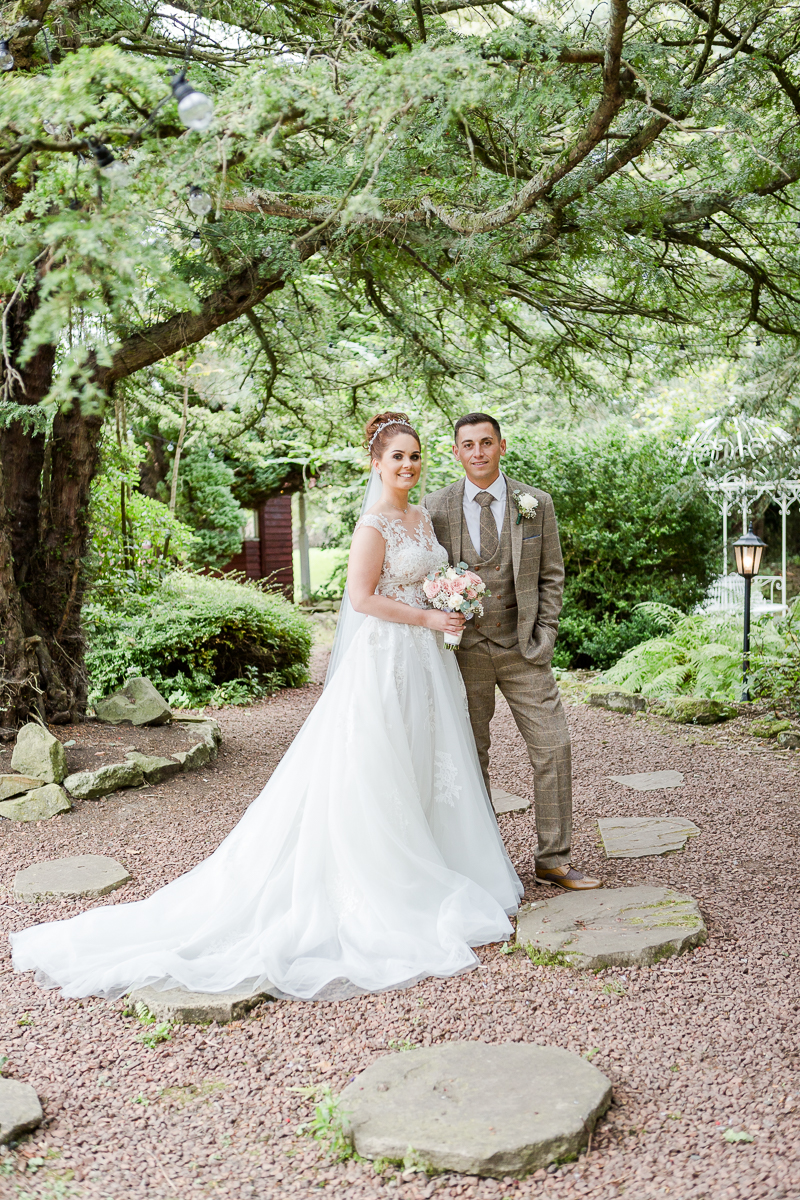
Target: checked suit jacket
(536,557)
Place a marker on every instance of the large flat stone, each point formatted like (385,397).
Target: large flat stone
(615,699)
(16,785)
(91,785)
(153,768)
(37,805)
(478,1109)
(650,781)
(83,875)
(638,837)
(196,1008)
(20,1110)
(613,927)
(505,802)
(38,754)
(138,703)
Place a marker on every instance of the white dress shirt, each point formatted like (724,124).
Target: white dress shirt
(472,510)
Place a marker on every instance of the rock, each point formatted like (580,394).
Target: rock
(196,1008)
(82,876)
(695,710)
(15,785)
(615,699)
(154,769)
(497,1110)
(636,837)
(619,927)
(37,805)
(505,802)
(650,781)
(769,729)
(90,785)
(789,741)
(137,703)
(20,1110)
(210,733)
(196,757)
(39,754)
(192,723)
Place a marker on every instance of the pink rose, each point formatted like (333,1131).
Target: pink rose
(432,587)
(459,584)
(473,578)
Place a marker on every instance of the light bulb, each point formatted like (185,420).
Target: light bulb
(196,242)
(200,203)
(116,172)
(6,57)
(194,109)
(492,308)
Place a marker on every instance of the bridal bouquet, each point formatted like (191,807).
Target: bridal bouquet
(456,589)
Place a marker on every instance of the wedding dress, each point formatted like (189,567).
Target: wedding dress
(370,860)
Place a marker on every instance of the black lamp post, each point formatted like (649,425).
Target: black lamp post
(748,550)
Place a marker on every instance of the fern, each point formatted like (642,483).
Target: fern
(698,655)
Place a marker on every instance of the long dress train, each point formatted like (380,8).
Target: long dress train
(370,860)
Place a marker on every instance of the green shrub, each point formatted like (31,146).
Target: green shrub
(632,530)
(697,655)
(200,640)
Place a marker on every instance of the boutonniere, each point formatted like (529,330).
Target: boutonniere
(526,504)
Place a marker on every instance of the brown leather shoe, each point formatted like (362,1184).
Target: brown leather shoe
(567,877)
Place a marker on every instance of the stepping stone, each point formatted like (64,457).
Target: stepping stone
(38,805)
(20,1110)
(612,927)
(478,1109)
(650,781)
(84,876)
(196,1008)
(505,802)
(637,837)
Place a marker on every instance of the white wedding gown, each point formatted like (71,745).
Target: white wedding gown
(370,860)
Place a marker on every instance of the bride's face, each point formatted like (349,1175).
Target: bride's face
(400,464)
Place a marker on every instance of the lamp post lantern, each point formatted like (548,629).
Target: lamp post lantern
(747,550)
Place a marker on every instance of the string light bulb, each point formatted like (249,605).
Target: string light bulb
(194,108)
(6,57)
(195,241)
(116,172)
(199,202)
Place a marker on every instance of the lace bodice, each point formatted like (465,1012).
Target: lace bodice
(409,557)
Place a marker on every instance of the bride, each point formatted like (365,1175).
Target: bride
(372,857)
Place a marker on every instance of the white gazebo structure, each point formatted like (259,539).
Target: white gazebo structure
(743,461)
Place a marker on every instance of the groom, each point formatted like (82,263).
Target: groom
(480,522)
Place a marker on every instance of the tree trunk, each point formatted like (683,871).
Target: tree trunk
(43,529)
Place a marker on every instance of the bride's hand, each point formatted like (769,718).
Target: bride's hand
(445,622)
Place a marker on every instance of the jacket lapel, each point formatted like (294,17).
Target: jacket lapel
(516,530)
(455,511)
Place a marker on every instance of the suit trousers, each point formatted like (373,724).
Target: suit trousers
(532,695)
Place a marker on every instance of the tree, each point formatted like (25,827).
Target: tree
(571,194)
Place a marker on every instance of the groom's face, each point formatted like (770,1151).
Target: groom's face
(479,451)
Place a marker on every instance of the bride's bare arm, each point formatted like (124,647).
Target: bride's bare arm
(363,573)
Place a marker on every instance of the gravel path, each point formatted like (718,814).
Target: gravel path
(693,1045)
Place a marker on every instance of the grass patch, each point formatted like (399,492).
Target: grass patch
(329,1126)
(541,957)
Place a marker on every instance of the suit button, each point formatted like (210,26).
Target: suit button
(497,568)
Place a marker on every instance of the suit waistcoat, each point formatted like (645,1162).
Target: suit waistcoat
(499,621)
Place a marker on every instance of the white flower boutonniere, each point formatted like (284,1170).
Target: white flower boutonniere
(526,504)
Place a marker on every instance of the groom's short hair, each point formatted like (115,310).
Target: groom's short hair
(476,419)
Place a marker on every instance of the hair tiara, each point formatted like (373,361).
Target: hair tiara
(385,425)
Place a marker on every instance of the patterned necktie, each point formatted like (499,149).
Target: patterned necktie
(489,538)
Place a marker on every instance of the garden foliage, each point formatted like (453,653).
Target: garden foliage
(199,639)
(631,529)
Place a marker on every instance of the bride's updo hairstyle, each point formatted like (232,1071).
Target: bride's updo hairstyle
(381,429)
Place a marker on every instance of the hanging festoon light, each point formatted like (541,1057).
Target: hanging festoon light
(194,108)
(6,57)
(114,169)
(199,202)
(195,241)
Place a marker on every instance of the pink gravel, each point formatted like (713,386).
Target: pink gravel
(693,1046)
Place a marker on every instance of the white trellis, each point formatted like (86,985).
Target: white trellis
(763,462)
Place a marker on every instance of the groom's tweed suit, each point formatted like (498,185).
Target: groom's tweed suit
(511,647)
